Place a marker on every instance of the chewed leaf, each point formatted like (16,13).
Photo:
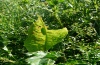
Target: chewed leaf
(40,38)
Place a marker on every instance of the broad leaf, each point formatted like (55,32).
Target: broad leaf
(36,38)
(40,38)
(39,58)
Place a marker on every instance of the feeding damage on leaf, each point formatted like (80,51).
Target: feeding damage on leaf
(42,39)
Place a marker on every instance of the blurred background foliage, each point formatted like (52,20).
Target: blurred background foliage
(81,17)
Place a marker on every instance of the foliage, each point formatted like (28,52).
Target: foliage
(40,38)
(80,17)
(41,58)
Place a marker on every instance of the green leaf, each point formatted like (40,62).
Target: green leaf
(60,0)
(53,55)
(40,38)
(36,38)
(55,36)
(35,60)
(39,59)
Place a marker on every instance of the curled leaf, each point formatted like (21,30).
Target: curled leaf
(40,38)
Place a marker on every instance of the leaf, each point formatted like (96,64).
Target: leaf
(35,60)
(40,38)
(4,59)
(36,38)
(39,59)
(60,1)
(53,55)
(55,36)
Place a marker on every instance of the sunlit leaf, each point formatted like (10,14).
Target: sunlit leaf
(40,38)
(39,59)
(36,59)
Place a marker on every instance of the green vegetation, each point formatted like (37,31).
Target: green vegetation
(80,47)
(42,39)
